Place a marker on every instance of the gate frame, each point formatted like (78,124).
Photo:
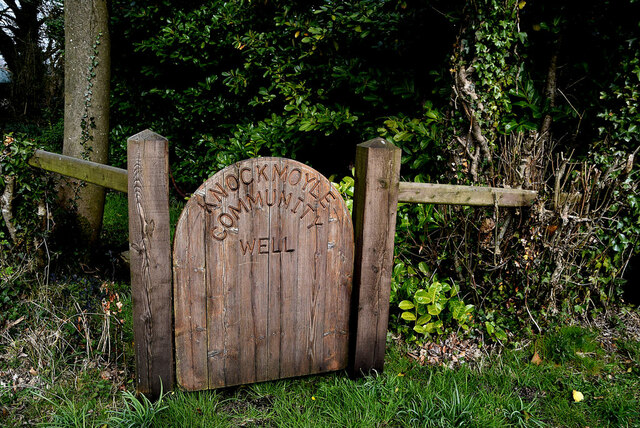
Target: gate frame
(377,191)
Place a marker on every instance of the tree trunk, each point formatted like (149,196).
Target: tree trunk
(86,106)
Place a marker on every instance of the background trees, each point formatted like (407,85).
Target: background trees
(490,92)
(30,36)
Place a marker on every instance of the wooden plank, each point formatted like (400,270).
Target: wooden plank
(338,300)
(431,193)
(374,212)
(274,297)
(91,172)
(189,269)
(150,249)
(266,246)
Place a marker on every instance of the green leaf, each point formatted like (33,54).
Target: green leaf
(490,328)
(419,329)
(408,316)
(405,305)
(457,309)
(500,334)
(433,292)
(423,319)
(430,328)
(423,268)
(422,297)
(434,309)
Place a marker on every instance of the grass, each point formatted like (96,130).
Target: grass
(70,364)
(502,389)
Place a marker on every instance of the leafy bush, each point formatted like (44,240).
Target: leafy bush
(26,203)
(430,306)
(229,80)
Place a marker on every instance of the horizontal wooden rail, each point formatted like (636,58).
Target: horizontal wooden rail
(449,194)
(91,172)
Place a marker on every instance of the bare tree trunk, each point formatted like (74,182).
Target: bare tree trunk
(86,109)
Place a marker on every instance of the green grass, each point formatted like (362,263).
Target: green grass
(501,390)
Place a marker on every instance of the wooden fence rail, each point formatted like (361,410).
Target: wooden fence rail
(427,193)
(450,194)
(91,172)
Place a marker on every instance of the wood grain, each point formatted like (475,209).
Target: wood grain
(150,250)
(278,261)
(450,194)
(91,172)
(374,211)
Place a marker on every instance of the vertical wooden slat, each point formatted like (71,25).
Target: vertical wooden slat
(149,243)
(374,213)
(189,296)
(275,304)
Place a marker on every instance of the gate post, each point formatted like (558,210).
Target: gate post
(150,250)
(374,218)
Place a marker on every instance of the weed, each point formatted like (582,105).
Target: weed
(69,413)
(569,344)
(136,412)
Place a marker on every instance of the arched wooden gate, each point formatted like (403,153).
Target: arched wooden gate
(262,262)
(264,259)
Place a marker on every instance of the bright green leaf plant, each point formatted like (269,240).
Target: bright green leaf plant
(434,308)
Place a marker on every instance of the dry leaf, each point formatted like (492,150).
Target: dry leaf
(577,396)
(536,359)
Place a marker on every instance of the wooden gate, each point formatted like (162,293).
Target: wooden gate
(262,262)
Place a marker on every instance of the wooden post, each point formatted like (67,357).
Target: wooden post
(374,214)
(150,249)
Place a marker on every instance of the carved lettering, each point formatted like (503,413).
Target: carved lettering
(295,209)
(308,180)
(310,183)
(315,186)
(325,198)
(316,222)
(276,246)
(230,221)
(237,210)
(266,197)
(219,236)
(286,247)
(261,173)
(282,174)
(219,193)
(242,178)
(284,199)
(249,247)
(232,182)
(264,245)
(297,180)
(253,201)
(307,210)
